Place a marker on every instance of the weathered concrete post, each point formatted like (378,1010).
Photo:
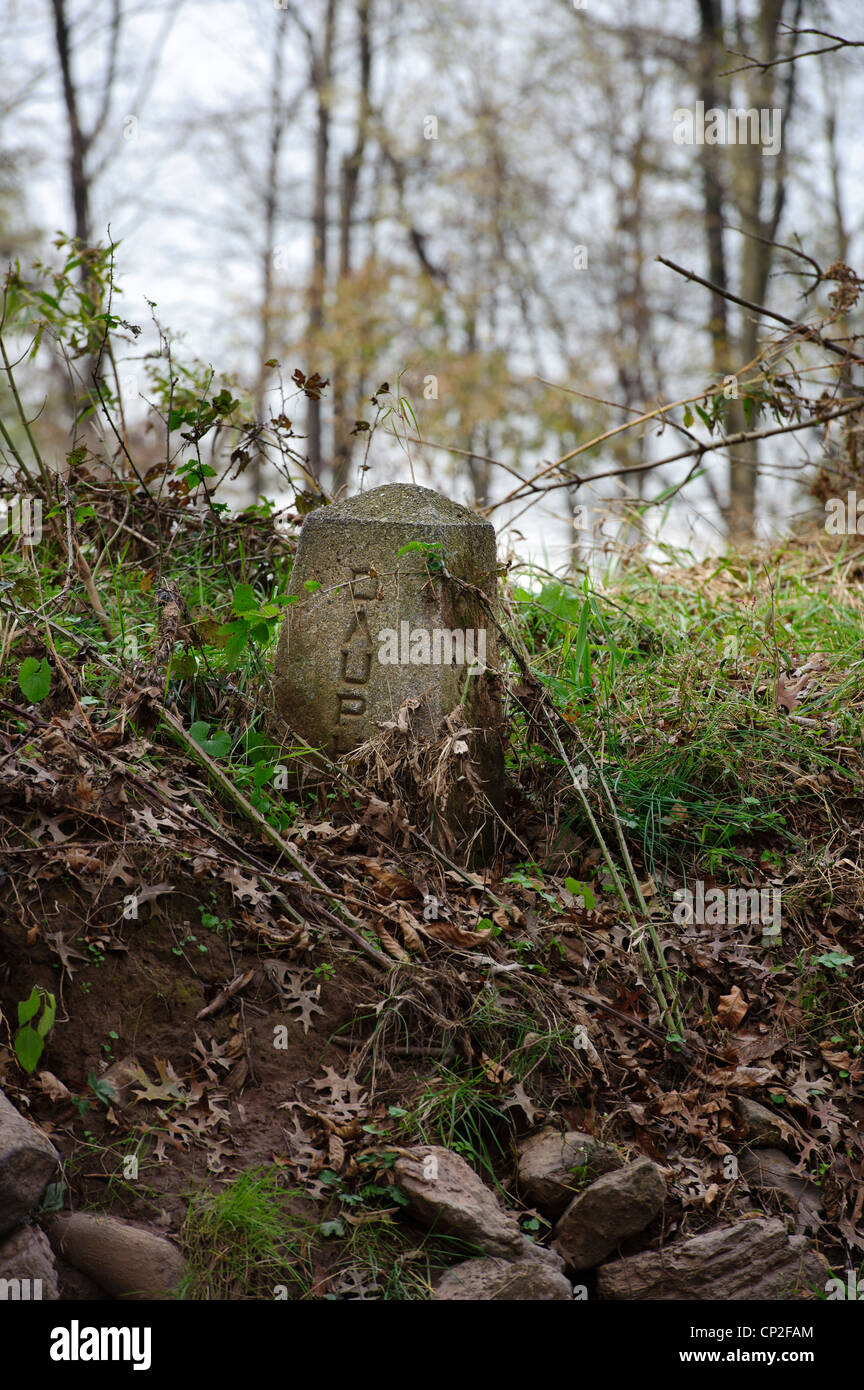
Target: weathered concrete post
(376,624)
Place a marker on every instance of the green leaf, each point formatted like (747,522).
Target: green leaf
(688,417)
(28,1007)
(34,679)
(578,889)
(28,1047)
(101,1089)
(237,641)
(256,747)
(217,746)
(835,960)
(244,600)
(46,1022)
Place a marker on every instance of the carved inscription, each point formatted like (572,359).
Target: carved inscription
(355,666)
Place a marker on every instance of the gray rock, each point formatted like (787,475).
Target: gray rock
(447,1196)
(28,1163)
(77,1287)
(553,1167)
(616,1206)
(496,1280)
(754,1259)
(772,1170)
(765,1130)
(27,1266)
(124,1260)
(333,682)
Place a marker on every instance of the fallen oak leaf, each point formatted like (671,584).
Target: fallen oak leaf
(152,892)
(789,690)
(65,951)
(81,860)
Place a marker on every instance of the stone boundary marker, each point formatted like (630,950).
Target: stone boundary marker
(379,627)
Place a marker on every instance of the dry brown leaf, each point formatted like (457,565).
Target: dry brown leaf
(495,1071)
(80,861)
(53,1087)
(393,884)
(152,891)
(731,1008)
(452,935)
(787,692)
(791,689)
(519,1097)
(391,945)
(410,929)
(245,887)
(509,917)
(840,1061)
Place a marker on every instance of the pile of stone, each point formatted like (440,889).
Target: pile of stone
(596,1201)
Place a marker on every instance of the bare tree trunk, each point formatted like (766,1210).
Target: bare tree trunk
(322,77)
(711,20)
(81,398)
(841,234)
(271,208)
(352,166)
(79,142)
(748,190)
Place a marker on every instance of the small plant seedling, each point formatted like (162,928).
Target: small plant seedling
(29,1041)
(34,679)
(835,960)
(215,745)
(431,551)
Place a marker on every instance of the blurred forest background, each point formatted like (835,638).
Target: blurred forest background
(466,203)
